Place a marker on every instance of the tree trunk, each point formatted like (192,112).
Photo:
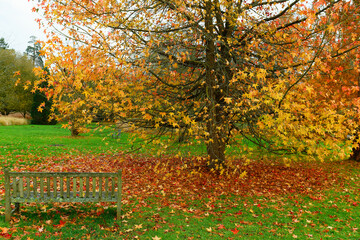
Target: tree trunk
(355,154)
(74,131)
(215,140)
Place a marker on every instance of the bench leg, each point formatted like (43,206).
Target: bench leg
(7,211)
(17,208)
(118,211)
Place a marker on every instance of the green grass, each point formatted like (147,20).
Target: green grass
(330,214)
(51,140)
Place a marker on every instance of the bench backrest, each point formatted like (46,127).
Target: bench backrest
(62,186)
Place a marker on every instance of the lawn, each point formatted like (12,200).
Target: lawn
(170,197)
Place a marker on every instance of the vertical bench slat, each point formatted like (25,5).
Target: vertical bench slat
(27,187)
(68,187)
(81,185)
(94,187)
(14,184)
(61,187)
(74,187)
(100,187)
(42,188)
(113,187)
(106,187)
(7,196)
(21,187)
(87,187)
(55,186)
(48,186)
(118,210)
(35,186)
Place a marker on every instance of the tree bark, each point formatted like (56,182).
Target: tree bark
(355,154)
(215,141)
(74,131)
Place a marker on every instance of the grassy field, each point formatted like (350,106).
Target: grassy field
(170,198)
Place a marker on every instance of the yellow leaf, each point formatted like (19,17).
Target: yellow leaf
(228,100)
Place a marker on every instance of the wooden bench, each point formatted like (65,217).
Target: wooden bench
(21,187)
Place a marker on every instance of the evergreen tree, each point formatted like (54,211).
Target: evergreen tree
(43,117)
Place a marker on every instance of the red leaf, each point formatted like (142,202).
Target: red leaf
(60,225)
(221,226)
(6,235)
(234,231)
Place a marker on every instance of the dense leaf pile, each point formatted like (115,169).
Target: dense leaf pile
(153,176)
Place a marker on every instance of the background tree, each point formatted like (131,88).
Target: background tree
(3,44)
(15,73)
(212,68)
(40,100)
(33,51)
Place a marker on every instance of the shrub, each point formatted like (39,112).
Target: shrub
(8,121)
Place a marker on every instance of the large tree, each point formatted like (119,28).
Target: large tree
(209,68)
(15,73)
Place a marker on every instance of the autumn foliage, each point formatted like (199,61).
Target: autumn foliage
(272,72)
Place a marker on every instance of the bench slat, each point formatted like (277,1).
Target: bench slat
(74,185)
(68,186)
(14,184)
(94,186)
(48,185)
(61,187)
(106,187)
(113,187)
(81,185)
(87,186)
(42,188)
(21,187)
(34,185)
(28,186)
(55,185)
(53,198)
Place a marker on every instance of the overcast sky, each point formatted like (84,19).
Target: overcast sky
(17,23)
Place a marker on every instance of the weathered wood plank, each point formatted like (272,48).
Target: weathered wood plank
(106,188)
(7,196)
(118,210)
(55,186)
(87,186)
(34,185)
(100,188)
(113,187)
(21,187)
(74,184)
(48,185)
(42,187)
(28,186)
(14,185)
(68,186)
(94,186)
(61,187)
(81,187)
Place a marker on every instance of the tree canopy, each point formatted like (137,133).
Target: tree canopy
(211,69)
